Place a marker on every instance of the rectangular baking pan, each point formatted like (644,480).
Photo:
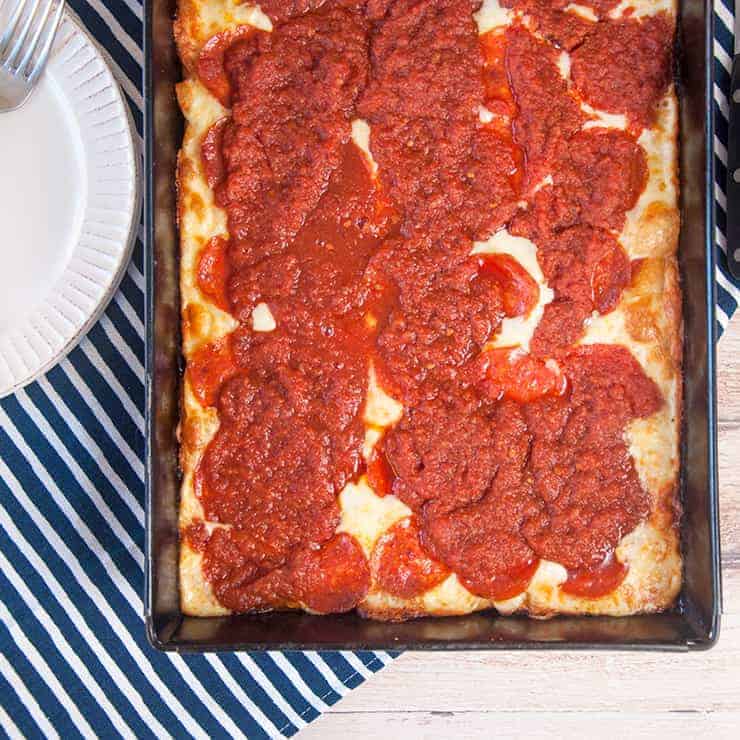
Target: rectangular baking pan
(693,624)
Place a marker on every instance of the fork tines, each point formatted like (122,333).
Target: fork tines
(27,38)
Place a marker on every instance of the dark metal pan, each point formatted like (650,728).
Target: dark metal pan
(693,624)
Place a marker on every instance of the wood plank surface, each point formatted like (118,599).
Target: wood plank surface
(561,694)
(545,725)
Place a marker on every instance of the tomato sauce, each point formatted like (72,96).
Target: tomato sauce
(596,581)
(380,474)
(211,67)
(625,66)
(521,378)
(563,29)
(519,290)
(211,154)
(213,271)
(402,566)
(504,458)
(331,579)
(208,367)
(498,95)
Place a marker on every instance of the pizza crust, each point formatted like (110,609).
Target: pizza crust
(647,321)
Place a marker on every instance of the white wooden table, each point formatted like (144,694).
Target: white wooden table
(559,694)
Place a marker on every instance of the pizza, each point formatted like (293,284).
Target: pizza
(431,312)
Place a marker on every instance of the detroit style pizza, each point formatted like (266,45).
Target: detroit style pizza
(430,307)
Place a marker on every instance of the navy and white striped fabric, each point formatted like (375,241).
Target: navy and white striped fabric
(74,659)
(728,290)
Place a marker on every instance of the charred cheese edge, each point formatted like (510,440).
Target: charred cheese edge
(647,321)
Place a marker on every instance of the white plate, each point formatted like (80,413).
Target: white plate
(69,208)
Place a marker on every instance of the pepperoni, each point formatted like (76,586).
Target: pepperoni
(586,268)
(499,98)
(196,535)
(333,578)
(598,178)
(562,324)
(380,474)
(481,543)
(582,469)
(611,274)
(441,327)
(211,153)
(274,280)
(208,367)
(281,10)
(285,141)
(521,378)
(549,476)
(600,7)
(624,66)
(596,582)
(213,271)
(548,115)
(400,564)
(423,101)
(211,61)
(520,291)
(238,582)
(270,479)
(507,585)
(444,452)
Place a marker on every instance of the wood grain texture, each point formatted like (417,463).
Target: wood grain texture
(486,694)
(545,725)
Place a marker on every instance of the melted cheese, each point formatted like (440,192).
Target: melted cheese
(582,11)
(651,227)
(564,63)
(380,409)
(518,331)
(223,15)
(262,318)
(485,115)
(640,8)
(651,231)
(361,138)
(602,119)
(367,516)
(447,599)
(492,15)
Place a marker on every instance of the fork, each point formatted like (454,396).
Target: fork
(25,45)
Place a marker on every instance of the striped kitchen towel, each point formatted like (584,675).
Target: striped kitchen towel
(728,289)
(74,657)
